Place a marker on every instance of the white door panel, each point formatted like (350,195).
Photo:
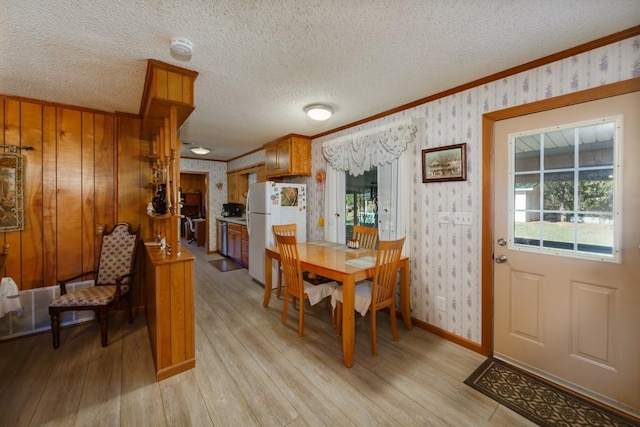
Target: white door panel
(573,319)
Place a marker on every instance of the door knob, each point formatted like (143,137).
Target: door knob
(502,242)
(501,259)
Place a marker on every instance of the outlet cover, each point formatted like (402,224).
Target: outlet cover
(441,303)
(444,217)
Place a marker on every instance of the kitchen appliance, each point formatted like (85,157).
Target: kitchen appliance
(231,210)
(222,238)
(272,203)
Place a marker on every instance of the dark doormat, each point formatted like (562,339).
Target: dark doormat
(225,265)
(542,402)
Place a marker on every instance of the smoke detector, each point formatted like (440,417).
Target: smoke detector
(181,46)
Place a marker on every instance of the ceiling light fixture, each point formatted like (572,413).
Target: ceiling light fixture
(181,46)
(201,151)
(318,112)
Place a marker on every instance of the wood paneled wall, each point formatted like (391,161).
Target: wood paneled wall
(71,186)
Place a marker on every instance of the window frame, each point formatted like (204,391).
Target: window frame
(616,254)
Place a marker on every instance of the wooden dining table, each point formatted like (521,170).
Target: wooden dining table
(337,262)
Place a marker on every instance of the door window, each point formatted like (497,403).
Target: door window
(361,200)
(563,189)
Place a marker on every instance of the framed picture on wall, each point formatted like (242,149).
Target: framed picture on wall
(447,163)
(11,191)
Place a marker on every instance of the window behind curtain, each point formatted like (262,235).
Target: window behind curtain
(361,200)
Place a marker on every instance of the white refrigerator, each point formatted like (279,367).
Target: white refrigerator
(272,203)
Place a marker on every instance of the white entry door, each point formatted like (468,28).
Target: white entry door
(567,268)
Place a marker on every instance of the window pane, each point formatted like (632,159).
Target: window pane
(596,145)
(595,190)
(361,200)
(595,233)
(558,231)
(528,233)
(526,196)
(527,153)
(559,149)
(558,191)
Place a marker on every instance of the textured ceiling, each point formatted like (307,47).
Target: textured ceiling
(260,62)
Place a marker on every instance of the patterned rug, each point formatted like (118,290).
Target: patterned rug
(225,265)
(541,401)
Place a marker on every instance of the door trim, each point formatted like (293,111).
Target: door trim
(488,120)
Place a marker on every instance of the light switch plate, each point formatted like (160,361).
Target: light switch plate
(462,218)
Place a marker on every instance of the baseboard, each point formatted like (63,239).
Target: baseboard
(474,346)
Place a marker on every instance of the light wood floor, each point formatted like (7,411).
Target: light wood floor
(250,370)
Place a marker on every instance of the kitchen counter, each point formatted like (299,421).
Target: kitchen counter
(233,220)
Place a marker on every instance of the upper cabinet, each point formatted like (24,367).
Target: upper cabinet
(290,156)
(233,187)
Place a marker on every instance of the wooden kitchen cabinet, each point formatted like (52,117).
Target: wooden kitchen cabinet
(234,242)
(233,188)
(237,187)
(245,247)
(290,156)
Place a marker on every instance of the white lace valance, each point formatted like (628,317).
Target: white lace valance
(360,151)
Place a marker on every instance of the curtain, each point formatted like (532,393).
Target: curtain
(360,151)
(334,206)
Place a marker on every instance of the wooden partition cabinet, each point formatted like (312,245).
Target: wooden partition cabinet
(170,311)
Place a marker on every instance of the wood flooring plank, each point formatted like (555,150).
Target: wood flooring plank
(290,375)
(183,402)
(141,401)
(225,403)
(24,376)
(61,396)
(506,417)
(266,401)
(100,400)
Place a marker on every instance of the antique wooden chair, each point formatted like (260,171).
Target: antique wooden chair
(366,236)
(112,281)
(283,230)
(294,284)
(376,295)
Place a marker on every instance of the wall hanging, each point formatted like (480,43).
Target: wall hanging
(445,163)
(11,189)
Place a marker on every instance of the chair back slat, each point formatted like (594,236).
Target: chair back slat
(117,254)
(367,237)
(285,229)
(291,266)
(386,272)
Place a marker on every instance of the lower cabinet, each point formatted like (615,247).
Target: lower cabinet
(234,242)
(245,247)
(238,243)
(169,309)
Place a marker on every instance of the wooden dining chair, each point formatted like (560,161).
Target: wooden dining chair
(295,287)
(112,281)
(376,295)
(283,230)
(366,236)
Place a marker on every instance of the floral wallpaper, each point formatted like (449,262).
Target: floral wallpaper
(445,257)
(246,161)
(216,173)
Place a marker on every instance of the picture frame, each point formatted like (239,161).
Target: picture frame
(11,191)
(448,163)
